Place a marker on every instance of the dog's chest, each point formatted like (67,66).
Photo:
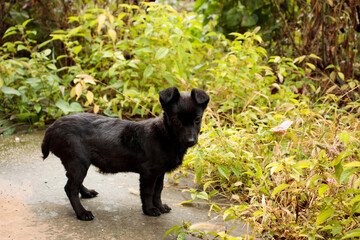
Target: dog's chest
(173,162)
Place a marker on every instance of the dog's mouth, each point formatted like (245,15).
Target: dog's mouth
(190,143)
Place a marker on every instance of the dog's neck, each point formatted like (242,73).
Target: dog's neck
(170,138)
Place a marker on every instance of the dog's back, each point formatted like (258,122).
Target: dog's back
(149,147)
(111,144)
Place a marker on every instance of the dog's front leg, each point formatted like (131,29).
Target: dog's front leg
(147,188)
(159,184)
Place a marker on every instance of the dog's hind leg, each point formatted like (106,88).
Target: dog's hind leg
(87,193)
(76,174)
(159,184)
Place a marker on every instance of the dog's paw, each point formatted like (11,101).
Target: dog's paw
(89,194)
(86,216)
(153,212)
(165,208)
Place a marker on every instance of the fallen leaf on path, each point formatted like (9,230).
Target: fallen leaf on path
(282,127)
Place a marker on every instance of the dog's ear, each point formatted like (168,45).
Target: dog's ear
(169,95)
(200,97)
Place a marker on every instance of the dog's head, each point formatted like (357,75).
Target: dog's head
(183,113)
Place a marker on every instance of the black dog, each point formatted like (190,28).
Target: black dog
(150,147)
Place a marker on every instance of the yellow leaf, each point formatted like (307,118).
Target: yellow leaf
(78,90)
(90,97)
(87,78)
(111,18)
(96,108)
(101,20)
(72,92)
(112,34)
(83,84)
(330,2)
(233,59)
(312,66)
(341,75)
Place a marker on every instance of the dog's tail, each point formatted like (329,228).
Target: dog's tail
(45,145)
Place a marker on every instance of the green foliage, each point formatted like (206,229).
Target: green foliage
(302,184)
(238,16)
(28,84)
(295,183)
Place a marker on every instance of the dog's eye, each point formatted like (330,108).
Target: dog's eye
(197,120)
(176,122)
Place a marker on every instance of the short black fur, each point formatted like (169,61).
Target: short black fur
(150,147)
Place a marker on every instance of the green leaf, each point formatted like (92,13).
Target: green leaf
(303,164)
(187,201)
(202,195)
(234,17)
(352,164)
(198,4)
(161,53)
(199,173)
(44,43)
(77,49)
(338,171)
(9,34)
(330,66)
(63,105)
(259,171)
(148,71)
(344,136)
(279,189)
(26,116)
(51,66)
(26,22)
(181,51)
(346,174)
(312,66)
(170,79)
(46,52)
(249,20)
(21,47)
(341,75)
(9,131)
(131,93)
(37,108)
(174,228)
(325,214)
(322,189)
(224,171)
(352,234)
(341,156)
(9,90)
(355,200)
(314,56)
(76,107)
(181,236)
(299,59)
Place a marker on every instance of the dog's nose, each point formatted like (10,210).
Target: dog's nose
(190,142)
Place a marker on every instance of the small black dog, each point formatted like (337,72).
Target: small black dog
(150,147)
